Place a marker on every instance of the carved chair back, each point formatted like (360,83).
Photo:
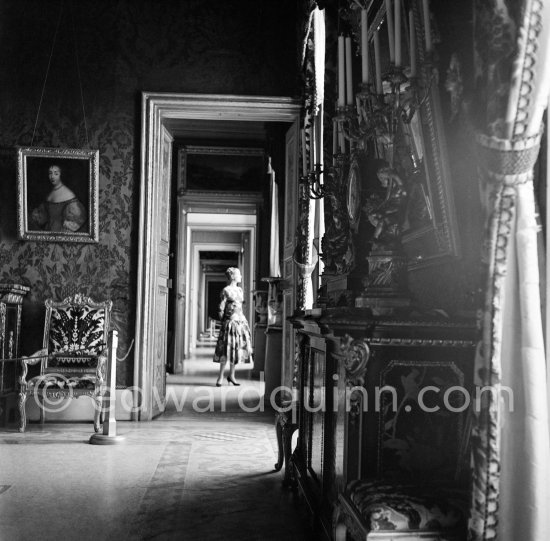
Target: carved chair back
(75,335)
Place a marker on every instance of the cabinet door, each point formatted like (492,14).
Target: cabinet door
(415,424)
(10,329)
(313,409)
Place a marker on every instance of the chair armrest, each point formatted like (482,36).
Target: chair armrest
(35,358)
(101,368)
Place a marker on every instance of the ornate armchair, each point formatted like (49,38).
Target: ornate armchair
(73,359)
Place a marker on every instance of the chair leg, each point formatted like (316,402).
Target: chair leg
(42,410)
(279,420)
(98,399)
(22,415)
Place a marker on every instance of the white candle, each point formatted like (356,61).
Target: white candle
(412,48)
(398,33)
(427,30)
(320,140)
(349,74)
(341,140)
(341,71)
(312,145)
(364,48)
(304,155)
(378,69)
(389,24)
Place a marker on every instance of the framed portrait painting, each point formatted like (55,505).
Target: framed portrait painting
(57,194)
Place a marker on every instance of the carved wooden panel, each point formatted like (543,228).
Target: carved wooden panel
(11,299)
(419,428)
(317,413)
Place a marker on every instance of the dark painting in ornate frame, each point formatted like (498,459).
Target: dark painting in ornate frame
(434,236)
(238,169)
(77,222)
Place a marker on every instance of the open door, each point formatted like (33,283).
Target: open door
(179,290)
(161,291)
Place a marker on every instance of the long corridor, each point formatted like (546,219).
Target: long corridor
(202,471)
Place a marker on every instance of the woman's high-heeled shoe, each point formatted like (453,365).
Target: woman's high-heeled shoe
(218,384)
(229,380)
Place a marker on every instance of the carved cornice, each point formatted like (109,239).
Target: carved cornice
(13,293)
(421,342)
(371,322)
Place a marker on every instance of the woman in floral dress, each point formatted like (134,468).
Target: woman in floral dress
(234,341)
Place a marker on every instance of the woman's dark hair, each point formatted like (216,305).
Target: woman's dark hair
(56,165)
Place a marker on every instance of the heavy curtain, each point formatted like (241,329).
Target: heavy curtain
(510,439)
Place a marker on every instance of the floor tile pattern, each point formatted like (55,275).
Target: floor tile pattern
(185,476)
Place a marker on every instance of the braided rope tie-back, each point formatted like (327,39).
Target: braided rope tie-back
(508,161)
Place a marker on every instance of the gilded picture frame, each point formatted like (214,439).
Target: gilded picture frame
(57,194)
(430,233)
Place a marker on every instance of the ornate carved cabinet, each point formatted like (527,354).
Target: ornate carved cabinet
(379,398)
(11,301)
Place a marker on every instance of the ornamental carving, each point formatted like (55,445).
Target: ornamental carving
(338,252)
(356,356)
(298,358)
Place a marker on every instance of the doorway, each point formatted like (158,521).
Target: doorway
(162,114)
(209,231)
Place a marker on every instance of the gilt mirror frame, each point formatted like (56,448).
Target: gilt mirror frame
(437,240)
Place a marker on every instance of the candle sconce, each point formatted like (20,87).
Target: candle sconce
(312,180)
(364,122)
(377,116)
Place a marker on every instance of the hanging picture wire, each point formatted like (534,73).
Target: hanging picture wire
(75,44)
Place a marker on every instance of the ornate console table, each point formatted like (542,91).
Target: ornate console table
(381,400)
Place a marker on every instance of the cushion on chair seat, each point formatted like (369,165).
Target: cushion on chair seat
(405,507)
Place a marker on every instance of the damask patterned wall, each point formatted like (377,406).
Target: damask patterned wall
(106,53)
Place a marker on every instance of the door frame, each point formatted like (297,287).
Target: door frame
(167,110)
(194,273)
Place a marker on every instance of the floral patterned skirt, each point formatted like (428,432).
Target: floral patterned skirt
(234,341)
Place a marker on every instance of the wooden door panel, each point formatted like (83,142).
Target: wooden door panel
(160,333)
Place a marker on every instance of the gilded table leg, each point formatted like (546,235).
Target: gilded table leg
(279,430)
(285,428)
(288,430)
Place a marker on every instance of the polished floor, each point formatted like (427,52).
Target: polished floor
(202,471)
